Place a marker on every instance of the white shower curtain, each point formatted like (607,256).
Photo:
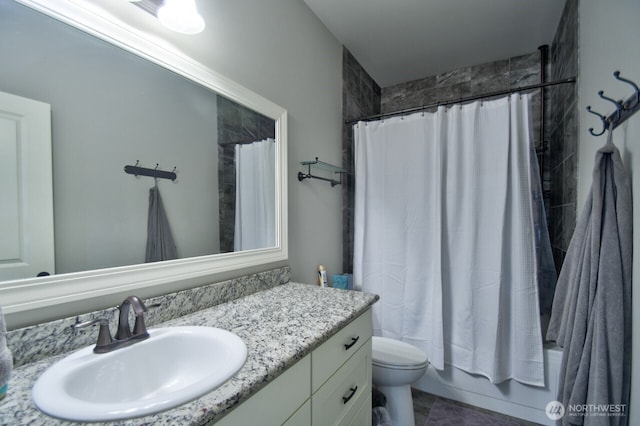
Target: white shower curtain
(444,234)
(255,195)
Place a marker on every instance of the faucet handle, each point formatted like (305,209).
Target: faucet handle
(139,327)
(104,335)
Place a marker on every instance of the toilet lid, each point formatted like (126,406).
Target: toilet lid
(396,353)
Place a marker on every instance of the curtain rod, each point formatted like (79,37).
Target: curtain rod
(467,99)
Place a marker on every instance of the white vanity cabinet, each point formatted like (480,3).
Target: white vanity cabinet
(330,386)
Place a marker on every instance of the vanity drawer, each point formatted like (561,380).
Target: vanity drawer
(341,397)
(335,351)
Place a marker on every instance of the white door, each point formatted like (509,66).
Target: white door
(26,196)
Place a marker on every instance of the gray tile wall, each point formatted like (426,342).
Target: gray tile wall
(475,80)
(360,98)
(363,97)
(562,133)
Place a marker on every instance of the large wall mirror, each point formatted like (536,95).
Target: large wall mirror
(118,98)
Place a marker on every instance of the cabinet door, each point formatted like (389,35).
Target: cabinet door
(302,417)
(276,402)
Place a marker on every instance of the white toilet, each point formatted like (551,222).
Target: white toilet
(395,365)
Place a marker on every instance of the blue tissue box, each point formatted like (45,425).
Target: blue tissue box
(343,281)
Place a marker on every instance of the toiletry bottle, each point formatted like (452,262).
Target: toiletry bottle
(6,358)
(322,276)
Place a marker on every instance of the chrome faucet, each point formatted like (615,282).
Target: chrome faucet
(124,337)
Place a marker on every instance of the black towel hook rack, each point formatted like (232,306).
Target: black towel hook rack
(624,109)
(155,173)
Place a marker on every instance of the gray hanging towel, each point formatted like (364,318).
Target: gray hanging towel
(591,315)
(160,244)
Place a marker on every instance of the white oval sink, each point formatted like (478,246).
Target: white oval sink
(173,366)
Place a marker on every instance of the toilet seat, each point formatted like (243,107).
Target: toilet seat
(394,354)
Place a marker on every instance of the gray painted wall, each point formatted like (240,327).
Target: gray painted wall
(609,42)
(280,50)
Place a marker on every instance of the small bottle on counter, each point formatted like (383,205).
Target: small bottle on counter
(322,276)
(6,358)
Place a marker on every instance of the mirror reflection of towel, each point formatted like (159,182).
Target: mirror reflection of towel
(160,244)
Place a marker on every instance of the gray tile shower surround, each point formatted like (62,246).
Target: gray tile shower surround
(562,133)
(280,325)
(360,98)
(363,97)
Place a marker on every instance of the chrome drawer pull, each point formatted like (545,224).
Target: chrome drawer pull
(353,390)
(354,340)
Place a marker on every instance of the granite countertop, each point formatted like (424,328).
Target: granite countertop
(279,326)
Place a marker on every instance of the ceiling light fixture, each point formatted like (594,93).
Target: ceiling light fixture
(181,16)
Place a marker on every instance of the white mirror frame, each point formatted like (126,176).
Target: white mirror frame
(19,296)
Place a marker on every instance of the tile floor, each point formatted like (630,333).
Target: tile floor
(422,404)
